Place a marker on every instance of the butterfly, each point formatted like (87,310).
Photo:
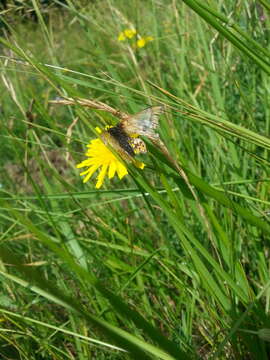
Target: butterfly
(124,136)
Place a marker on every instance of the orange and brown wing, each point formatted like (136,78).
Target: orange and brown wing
(138,145)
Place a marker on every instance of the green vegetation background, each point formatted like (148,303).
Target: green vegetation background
(142,268)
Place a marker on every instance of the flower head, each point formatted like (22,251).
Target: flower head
(129,33)
(126,34)
(100,156)
(143,41)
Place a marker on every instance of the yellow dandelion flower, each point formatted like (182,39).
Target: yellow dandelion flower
(101,157)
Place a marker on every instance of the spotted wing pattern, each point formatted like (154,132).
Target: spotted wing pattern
(138,145)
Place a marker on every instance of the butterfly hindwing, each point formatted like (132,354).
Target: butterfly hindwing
(138,145)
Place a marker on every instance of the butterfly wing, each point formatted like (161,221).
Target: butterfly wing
(144,123)
(138,145)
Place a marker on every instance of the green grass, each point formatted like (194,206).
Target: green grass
(171,262)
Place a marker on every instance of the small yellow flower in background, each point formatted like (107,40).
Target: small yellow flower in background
(129,33)
(126,34)
(121,36)
(143,41)
(100,156)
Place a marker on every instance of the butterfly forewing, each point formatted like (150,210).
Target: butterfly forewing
(144,123)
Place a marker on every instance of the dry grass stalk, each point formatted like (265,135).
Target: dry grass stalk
(98,105)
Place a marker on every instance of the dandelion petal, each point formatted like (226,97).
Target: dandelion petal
(112,169)
(121,170)
(101,176)
(89,172)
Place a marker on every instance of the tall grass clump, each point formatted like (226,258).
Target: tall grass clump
(171,261)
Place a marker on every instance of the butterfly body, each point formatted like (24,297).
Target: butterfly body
(124,136)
